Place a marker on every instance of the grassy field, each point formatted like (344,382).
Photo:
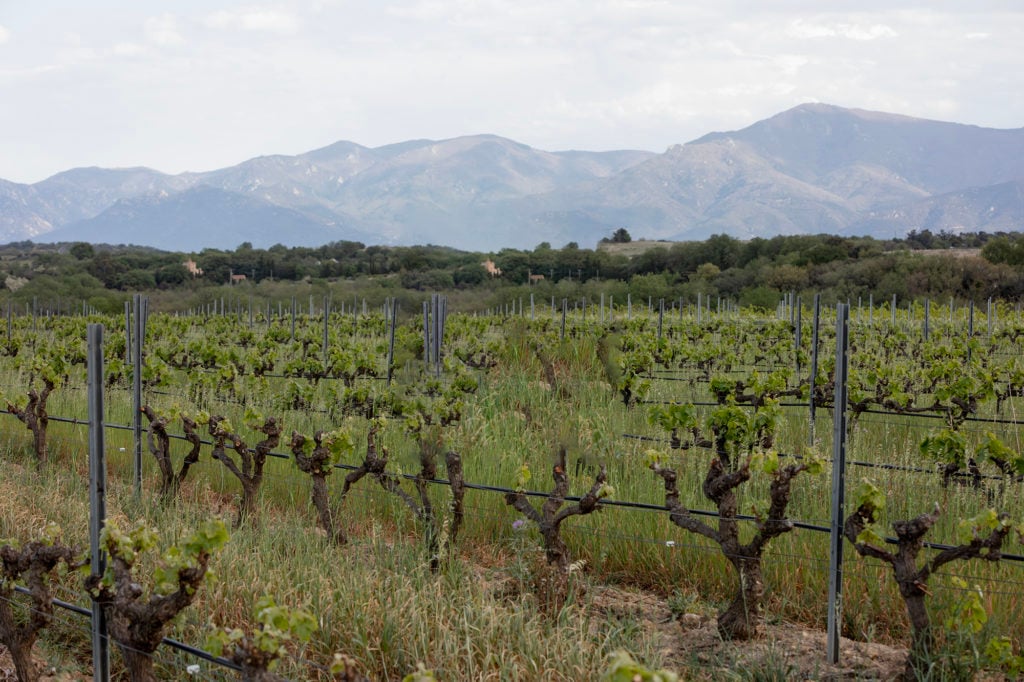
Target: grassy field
(484,616)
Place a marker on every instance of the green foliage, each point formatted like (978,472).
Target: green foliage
(622,668)
(994,450)
(947,446)
(723,388)
(339,443)
(672,417)
(253,419)
(523,478)
(766,461)
(869,497)
(998,653)
(653,458)
(965,625)
(982,525)
(730,421)
(208,538)
(276,627)
(421,674)
(968,614)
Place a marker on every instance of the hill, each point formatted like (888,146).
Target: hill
(812,169)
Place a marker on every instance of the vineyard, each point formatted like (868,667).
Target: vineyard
(338,492)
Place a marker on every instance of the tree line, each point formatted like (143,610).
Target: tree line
(968,266)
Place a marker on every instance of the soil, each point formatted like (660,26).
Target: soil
(691,644)
(49,674)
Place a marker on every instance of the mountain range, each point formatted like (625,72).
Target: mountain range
(812,169)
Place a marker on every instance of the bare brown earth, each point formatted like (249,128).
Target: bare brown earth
(49,674)
(633,248)
(692,646)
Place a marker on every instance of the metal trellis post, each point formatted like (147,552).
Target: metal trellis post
(97,497)
(835,576)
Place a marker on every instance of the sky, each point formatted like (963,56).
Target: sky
(202,84)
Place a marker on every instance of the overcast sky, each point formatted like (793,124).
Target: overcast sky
(201,84)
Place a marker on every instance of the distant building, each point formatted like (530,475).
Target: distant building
(192,268)
(491,268)
(235,279)
(536,278)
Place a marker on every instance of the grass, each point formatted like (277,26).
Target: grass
(377,602)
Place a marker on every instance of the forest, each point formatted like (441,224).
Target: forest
(756,272)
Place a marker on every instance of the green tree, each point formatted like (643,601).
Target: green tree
(82,251)
(621,236)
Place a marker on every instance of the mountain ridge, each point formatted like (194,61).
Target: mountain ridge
(813,168)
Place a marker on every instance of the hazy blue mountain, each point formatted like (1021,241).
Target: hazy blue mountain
(86,192)
(812,141)
(202,217)
(993,208)
(19,215)
(814,168)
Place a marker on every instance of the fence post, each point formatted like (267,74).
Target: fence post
(391,338)
(426,335)
(927,315)
(293,318)
(139,334)
(799,332)
(128,333)
(327,321)
(97,497)
(439,314)
(988,316)
(661,315)
(814,358)
(835,578)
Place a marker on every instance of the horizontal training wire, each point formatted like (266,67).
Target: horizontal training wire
(173,643)
(617,503)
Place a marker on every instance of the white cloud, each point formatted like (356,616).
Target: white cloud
(803,29)
(810,30)
(269,20)
(128,49)
(163,30)
(873,32)
(571,73)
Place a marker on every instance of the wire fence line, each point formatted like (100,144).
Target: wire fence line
(621,503)
(87,612)
(611,503)
(857,463)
